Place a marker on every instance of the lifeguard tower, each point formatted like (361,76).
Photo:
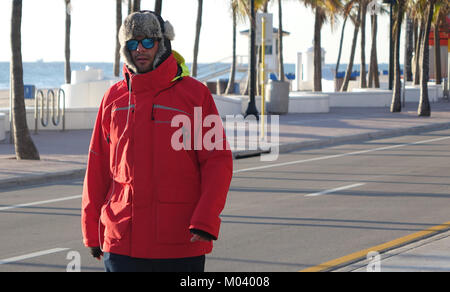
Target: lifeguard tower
(271,46)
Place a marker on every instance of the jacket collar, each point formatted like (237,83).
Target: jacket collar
(155,80)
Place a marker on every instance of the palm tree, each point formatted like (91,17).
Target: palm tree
(409,46)
(338,63)
(197,36)
(356,22)
(424,109)
(396,105)
(243,10)
(23,144)
(374,78)
(251,108)
(442,10)
(346,12)
(437,51)
(118,24)
(67,69)
(363,78)
(418,52)
(323,9)
(231,80)
(158,7)
(417,9)
(134,6)
(249,8)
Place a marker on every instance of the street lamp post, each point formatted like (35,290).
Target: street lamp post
(251,109)
(391,44)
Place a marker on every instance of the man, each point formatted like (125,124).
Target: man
(147,205)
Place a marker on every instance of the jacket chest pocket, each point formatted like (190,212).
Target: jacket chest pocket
(121,142)
(174,149)
(173,127)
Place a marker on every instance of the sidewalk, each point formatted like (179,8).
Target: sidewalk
(431,254)
(64,156)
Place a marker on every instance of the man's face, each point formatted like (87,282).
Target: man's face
(143,58)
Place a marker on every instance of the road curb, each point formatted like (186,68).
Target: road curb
(289,147)
(42,178)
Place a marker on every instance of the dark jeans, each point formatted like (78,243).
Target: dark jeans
(120,263)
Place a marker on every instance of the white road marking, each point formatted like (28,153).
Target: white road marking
(335,190)
(40,203)
(337,155)
(31,255)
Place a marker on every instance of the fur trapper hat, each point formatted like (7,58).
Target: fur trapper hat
(150,25)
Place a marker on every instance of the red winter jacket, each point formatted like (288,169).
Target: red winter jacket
(146,194)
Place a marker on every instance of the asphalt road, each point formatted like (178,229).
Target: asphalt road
(304,209)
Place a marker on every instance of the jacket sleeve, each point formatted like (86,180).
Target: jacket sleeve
(96,183)
(216,170)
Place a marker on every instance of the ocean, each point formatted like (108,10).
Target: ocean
(51,74)
(48,74)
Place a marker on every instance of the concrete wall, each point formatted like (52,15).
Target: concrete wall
(88,94)
(227,105)
(362,98)
(76,119)
(315,103)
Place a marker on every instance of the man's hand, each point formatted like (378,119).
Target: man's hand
(197,237)
(200,235)
(96,252)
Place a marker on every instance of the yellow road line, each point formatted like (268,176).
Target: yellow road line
(378,248)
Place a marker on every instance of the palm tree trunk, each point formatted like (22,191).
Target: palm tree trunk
(419,53)
(396,105)
(340,47)
(348,73)
(424,109)
(158,7)
(251,108)
(230,86)
(363,78)
(409,48)
(197,37)
(67,70)
(23,144)
(374,78)
(437,54)
(135,5)
(117,51)
(280,42)
(317,52)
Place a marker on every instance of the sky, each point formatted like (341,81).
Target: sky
(93,29)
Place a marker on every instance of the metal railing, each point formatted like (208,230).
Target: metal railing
(43,111)
(220,67)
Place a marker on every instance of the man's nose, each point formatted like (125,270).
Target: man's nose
(140,48)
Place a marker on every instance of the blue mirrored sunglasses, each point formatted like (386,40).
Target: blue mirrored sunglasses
(147,43)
